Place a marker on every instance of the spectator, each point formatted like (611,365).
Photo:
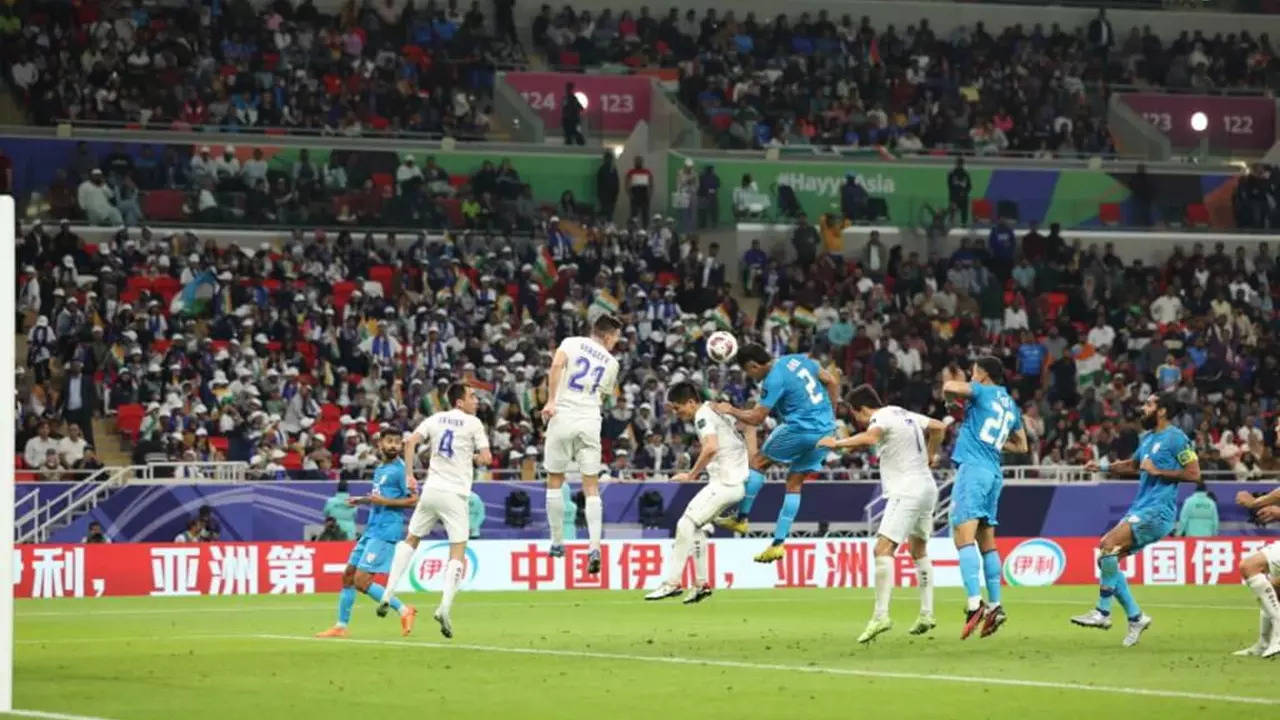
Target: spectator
(475,514)
(805,241)
(38,448)
(607,186)
(639,191)
(96,199)
(71,448)
(330,532)
(88,462)
(79,398)
(958,187)
(571,117)
(95,534)
(337,508)
(708,198)
(210,527)
(190,534)
(1199,516)
(853,199)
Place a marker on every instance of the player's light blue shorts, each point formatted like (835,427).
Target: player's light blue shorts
(1148,526)
(975,495)
(372,555)
(796,448)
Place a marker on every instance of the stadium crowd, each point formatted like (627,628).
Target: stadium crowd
(294,357)
(382,66)
(815,79)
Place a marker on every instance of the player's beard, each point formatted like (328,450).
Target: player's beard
(1149,421)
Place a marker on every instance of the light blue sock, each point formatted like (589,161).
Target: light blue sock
(991,570)
(346,601)
(376,590)
(1105,594)
(1113,578)
(970,567)
(786,516)
(755,480)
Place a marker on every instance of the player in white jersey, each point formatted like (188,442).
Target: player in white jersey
(723,454)
(457,442)
(906,444)
(582,372)
(1261,574)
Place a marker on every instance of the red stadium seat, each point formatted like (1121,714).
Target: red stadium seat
(163,204)
(219,443)
(330,412)
(1198,215)
(292,460)
(137,283)
(161,345)
(982,211)
(166,285)
(452,208)
(129,419)
(384,275)
(1109,214)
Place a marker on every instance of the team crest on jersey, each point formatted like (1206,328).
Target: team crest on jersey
(1155,448)
(701,423)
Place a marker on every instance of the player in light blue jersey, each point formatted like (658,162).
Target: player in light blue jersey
(1165,457)
(799,392)
(992,426)
(388,500)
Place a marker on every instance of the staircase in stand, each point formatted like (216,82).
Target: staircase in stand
(38,518)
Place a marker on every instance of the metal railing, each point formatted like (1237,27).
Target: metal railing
(36,524)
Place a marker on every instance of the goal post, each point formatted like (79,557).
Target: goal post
(8,423)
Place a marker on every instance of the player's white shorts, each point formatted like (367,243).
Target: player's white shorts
(711,500)
(1272,554)
(447,507)
(572,440)
(908,517)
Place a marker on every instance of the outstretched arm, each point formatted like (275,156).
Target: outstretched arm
(957,389)
(1017,442)
(1249,502)
(935,432)
(1119,468)
(865,439)
(404,502)
(754,416)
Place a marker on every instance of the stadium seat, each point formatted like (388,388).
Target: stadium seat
(1197,215)
(163,205)
(219,443)
(129,419)
(384,275)
(982,211)
(161,345)
(329,411)
(1007,210)
(1109,214)
(292,460)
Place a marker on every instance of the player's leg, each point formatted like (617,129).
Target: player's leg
(346,598)
(885,546)
(420,524)
(686,531)
(453,515)
(1116,543)
(588,455)
(555,459)
(966,510)
(759,465)
(724,499)
(994,615)
(1260,571)
(379,559)
(919,546)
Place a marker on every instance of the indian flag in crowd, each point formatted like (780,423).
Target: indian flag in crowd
(606,301)
(720,315)
(462,285)
(527,400)
(545,270)
(804,317)
(505,304)
(779,316)
(1089,364)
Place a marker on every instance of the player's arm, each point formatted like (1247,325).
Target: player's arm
(1189,470)
(957,389)
(410,454)
(553,383)
(832,383)
(750,438)
(708,445)
(404,502)
(865,439)
(1247,501)
(1017,442)
(935,433)
(1118,468)
(754,417)
(483,457)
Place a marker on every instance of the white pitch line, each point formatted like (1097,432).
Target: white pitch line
(121,639)
(720,599)
(50,715)
(736,664)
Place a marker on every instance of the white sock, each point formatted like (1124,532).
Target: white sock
(884,584)
(452,577)
(595,518)
(1264,628)
(399,566)
(555,515)
(685,532)
(924,574)
(700,557)
(973,602)
(1261,586)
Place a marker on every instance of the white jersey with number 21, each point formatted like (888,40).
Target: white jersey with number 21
(590,372)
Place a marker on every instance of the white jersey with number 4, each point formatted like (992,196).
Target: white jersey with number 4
(729,466)
(903,453)
(590,372)
(454,438)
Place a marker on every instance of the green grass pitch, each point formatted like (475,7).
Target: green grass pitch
(741,654)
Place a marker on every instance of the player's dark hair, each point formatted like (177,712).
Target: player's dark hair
(753,352)
(863,396)
(1172,406)
(992,366)
(683,392)
(606,324)
(455,393)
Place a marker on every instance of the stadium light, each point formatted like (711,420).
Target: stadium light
(582,98)
(1199,121)
(8,289)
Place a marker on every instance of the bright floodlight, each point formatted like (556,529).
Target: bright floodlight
(582,98)
(1199,121)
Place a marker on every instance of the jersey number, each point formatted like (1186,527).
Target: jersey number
(995,431)
(446,444)
(915,433)
(584,368)
(810,385)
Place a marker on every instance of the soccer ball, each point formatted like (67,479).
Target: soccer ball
(722,346)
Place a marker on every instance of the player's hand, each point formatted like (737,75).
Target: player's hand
(547,411)
(1244,499)
(360,500)
(1092,466)
(828,442)
(1149,467)
(1269,514)
(722,407)
(411,482)
(681,477)
(935,461)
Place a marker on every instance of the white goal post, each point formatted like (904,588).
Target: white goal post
(8,291)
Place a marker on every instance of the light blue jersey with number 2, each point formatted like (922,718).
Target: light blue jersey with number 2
(990,417)
(794,393)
